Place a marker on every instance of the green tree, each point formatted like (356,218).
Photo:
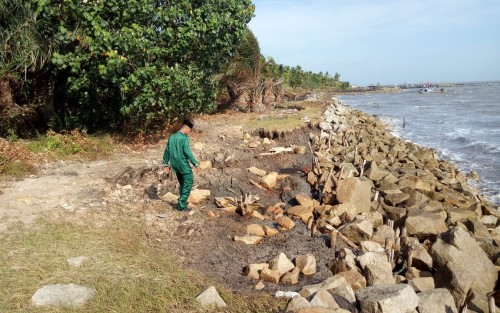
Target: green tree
(127,62)
(142,62)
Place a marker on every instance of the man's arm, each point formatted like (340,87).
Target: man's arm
(189,154)
(166,156)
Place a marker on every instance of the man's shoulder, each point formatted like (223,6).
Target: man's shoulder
(178,135)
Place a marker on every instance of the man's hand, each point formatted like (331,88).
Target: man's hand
(166,170)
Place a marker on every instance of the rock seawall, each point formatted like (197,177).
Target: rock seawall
(395,214)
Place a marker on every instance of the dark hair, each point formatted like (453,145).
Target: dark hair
(188,123)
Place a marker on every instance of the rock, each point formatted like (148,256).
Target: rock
(354,279)
(396,198)
(305,200)
(62,295)
(325,126)
(376,218)
(77,261)
(291,278)
(461,266)
(376,173)
(210,298)
(489,221)
(253,270)
(358,231)
(420,284)
(327,284)
(346,208)
(269,181)
(355,191)
(198,195)
(371,258)
(413,272)
(345,291)
(281,263)
(384,232)
(306,264)
(302,212)
(253,144)
(269,275)
(205,165)
(322,310)
(257,171)
(371,246)
(422,260)
(270,231)
(423,224)
(378,274)
(170,197)
(285,222)
(438,300)
(266,141)
(297,303)
(324,299)
(299,150)
(459,215)
(396,214)
(399,298)
(257,215)
(259,285)
(256,230)
(477,228)
(414,182)
(249,240)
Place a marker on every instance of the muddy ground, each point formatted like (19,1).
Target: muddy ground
(129,186)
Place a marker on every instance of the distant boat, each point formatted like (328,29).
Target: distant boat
(430,90)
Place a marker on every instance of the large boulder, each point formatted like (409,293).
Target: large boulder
(438,300)
(399,298)
(376,173)
(355,191)
(358,231)
(423,224)
(463,267)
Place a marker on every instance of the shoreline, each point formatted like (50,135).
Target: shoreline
(445,145)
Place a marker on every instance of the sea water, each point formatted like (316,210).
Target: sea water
(462,124)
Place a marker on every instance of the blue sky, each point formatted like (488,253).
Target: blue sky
(383,41)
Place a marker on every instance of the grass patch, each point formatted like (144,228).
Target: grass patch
(20,157)
(15,169)
(127,274)
(284,118)
(63,146)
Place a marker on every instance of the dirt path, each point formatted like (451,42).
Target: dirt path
(127,185)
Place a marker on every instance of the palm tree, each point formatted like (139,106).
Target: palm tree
(23,50)
(244,70)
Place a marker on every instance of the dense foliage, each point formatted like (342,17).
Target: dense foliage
(132,62)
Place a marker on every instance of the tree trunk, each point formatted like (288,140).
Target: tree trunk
(6,98)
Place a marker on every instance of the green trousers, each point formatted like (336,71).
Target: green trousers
(185,185)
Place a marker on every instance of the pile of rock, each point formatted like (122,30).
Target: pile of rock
(408,222)
(281,270)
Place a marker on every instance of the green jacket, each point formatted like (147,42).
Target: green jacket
(178,153)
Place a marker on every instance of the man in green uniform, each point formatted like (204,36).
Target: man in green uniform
(176,157)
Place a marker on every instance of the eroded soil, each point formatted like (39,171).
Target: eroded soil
(130,186)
